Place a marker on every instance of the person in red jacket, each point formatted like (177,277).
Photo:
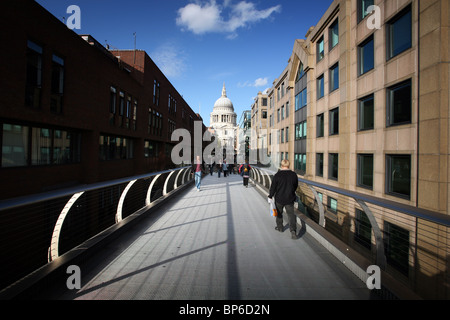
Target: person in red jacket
(283,187)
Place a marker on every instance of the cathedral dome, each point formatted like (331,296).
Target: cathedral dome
(223,103)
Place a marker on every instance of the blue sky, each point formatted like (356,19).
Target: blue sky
(201,44)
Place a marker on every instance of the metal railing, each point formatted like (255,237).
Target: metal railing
(410,244)
(38,229)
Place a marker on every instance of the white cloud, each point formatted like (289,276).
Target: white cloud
(201,18)
(170,59)
(260,82)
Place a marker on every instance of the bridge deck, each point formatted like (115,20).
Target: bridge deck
(219,243)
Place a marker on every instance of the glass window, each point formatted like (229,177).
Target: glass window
(320,49)
(34,75)
(14,145)
(399,33)
(365,56)
(398,175)
(319,164)
(334,34)
(334,121)
(320,87)
(41,141)
(366,113)
(320,125)
(333,166)
(399,104)
(300,72)
(365,170)
(334,77)
(332,204)
(363,5)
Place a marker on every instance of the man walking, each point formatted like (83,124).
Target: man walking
(284,185)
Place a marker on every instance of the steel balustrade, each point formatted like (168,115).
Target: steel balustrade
(77,192)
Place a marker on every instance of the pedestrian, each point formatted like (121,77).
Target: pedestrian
(225,168)
(211,168)
(219,168)
(244,171)
(197,168)
(283,187)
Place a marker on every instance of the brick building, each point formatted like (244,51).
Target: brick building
(73,112)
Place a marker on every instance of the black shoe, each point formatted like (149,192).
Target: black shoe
(293,235)
(279,229)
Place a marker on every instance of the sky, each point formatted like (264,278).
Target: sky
(202,44)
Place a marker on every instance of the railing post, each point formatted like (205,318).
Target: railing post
(54,245)
(381,257)
(122,200)
(320,205)
(148,199)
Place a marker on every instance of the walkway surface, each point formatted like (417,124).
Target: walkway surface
(219,243)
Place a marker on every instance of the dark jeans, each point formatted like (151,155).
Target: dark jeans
(245,181)
(290,213)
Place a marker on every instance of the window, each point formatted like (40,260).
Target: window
(320,125)
(365,56)
(48,146)
(14,145)
(282,136)
(399,33)
(155,92)
(301,99)
(365,170)
(282,112)
(264,114)
(399,104)
(363,5)
(334,34)
(300,72)
(112,105)
(332,204)
(300,163)
(57,84)
(278,115)
(287,134)
(287,109)
(334,77)
(320,87)
(33,85)
(151,149)
(363,229)
(320,49)
(396,246)
(115,148)
(334,121)
(366,113)
(319,164)
(333,166)
(398,175)
(300,130)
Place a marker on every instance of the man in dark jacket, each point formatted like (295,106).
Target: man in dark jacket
(283,187)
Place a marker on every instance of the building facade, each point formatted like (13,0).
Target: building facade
(73,112)
(368,99)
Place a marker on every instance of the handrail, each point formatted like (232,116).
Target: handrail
(55,194)
(417,212)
